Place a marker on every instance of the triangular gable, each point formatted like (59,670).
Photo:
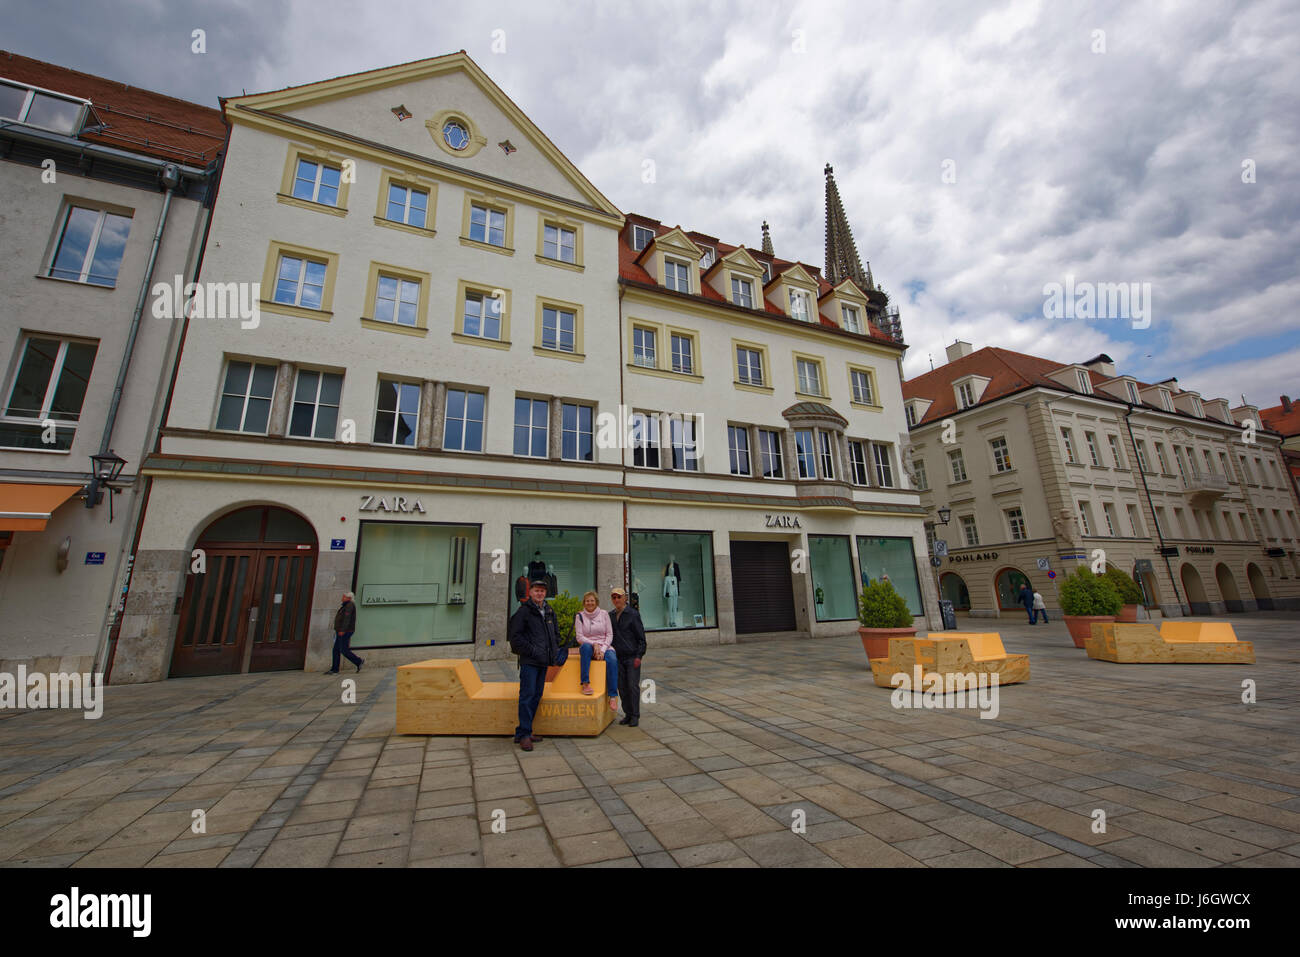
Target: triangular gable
(740,258)
(672,241)
(428,88)
(847,289)
(798,276)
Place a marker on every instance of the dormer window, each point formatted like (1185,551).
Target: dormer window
(1085,383)
(767,273)
(37,107)
(911,415)
(965,395)
(800,305)
(707,259)
(742,292)
(1164,401)
(641,237)
(677,275)
(851,320)
(1133,394)
(1196,408)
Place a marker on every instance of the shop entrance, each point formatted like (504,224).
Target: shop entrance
(247,602)
(761,588)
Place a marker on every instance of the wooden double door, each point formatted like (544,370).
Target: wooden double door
(247,605)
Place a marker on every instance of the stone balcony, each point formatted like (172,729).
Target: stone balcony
(1204,488)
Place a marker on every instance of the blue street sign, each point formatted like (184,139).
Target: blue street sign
(336,544)
(94,558)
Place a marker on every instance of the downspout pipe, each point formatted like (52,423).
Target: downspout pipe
(1155,519)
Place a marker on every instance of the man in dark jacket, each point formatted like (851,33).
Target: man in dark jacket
(629,646)
(1026,598)
(535,637)
(345,623)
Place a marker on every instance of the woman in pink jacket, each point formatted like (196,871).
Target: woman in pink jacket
(595,636)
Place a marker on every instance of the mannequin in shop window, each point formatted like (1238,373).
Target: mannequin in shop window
(537,567)
(672,588)
(552,583)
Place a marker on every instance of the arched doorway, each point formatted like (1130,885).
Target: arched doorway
(953,589)
(248,594)
(1228,588)
(1007,583)
(1148,582)
(1194,590)
(1258,588)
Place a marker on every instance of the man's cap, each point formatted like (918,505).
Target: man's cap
(538,581)
(619,591)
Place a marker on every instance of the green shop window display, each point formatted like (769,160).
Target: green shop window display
(672,577)
(565,558)
(891,559)
(416,584)
(831,566)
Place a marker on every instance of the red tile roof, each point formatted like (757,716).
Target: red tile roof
(1278,419)
(136,120)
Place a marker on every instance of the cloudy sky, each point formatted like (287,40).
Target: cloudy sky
(983,151)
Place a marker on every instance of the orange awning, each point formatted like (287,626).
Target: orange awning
(26,508)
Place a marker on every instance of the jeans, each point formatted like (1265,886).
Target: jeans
(532,682)
(341,648)
(629,686)
(1038,611)
(586,652)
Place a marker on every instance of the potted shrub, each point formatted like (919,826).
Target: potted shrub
(566,608)
(1087,598)
(883,614)
(1129,593)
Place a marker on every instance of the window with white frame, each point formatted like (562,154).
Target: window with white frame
(397,413)
(316,404)
(1134,521)
(958,465)
(1133,396)
(1116,456)
(910,412)
(49,386)
(1085,383)
(1001,455)
(884,466)
(397,300)
(91,246)
(965,395)
(970,534)
(922,480)
(1068,438)
(1142,454)
(487,225)
(408,205)
(317,182)
(706,259)
(463,431)
(851,320)
(683,357)
(826,444)
(858,456)
(767,273)
(861,387)
(749,366)
(559,243)
(738,449)
(246,397)
(677,275)
(1091,439)
(810,382)
(804,454)
(1084,523)
(800,305)
(645,440)
(300,281)
(1160,457)
(1112,522)
(685,443)
(1016,524)
(641,237)
(742,292)
(575,432)
(643,347)
(557,329)
(769,448)
(35,107)
(532,427)
(482,316)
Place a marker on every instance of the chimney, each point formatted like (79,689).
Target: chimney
(959,350)
(1286,403)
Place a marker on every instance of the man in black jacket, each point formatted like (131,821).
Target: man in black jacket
(345,622)
(629,646)
(535,637)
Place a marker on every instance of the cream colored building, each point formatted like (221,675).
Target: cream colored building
(1046,466)
(440,399)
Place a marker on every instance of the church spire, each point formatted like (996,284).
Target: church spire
(767,240)
(842,260)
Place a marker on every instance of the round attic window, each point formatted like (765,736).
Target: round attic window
(455,135)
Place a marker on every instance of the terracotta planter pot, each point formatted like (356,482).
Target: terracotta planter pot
(875,641)
(1080,626)
(1128,613)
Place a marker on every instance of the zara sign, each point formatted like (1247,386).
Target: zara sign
(393,503)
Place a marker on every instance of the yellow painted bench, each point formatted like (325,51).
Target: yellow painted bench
(1177,642)
(955,653)
(447,696)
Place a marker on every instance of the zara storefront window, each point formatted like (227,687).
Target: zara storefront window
(894,559)
(564,557)
(672,577)
(416,584)
(831,564)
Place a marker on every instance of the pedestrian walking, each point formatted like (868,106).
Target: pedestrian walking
(345,623)
(1027,599)
(1040,607)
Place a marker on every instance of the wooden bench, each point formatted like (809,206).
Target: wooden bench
(447,696)
(971,653)
(1177,642)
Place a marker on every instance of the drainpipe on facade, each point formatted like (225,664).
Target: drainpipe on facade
(1155,519)
(622,428)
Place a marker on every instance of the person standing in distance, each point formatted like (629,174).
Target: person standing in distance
(629,647)
(345,623)
(535,637)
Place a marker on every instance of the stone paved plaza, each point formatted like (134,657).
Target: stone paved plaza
(739,738)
